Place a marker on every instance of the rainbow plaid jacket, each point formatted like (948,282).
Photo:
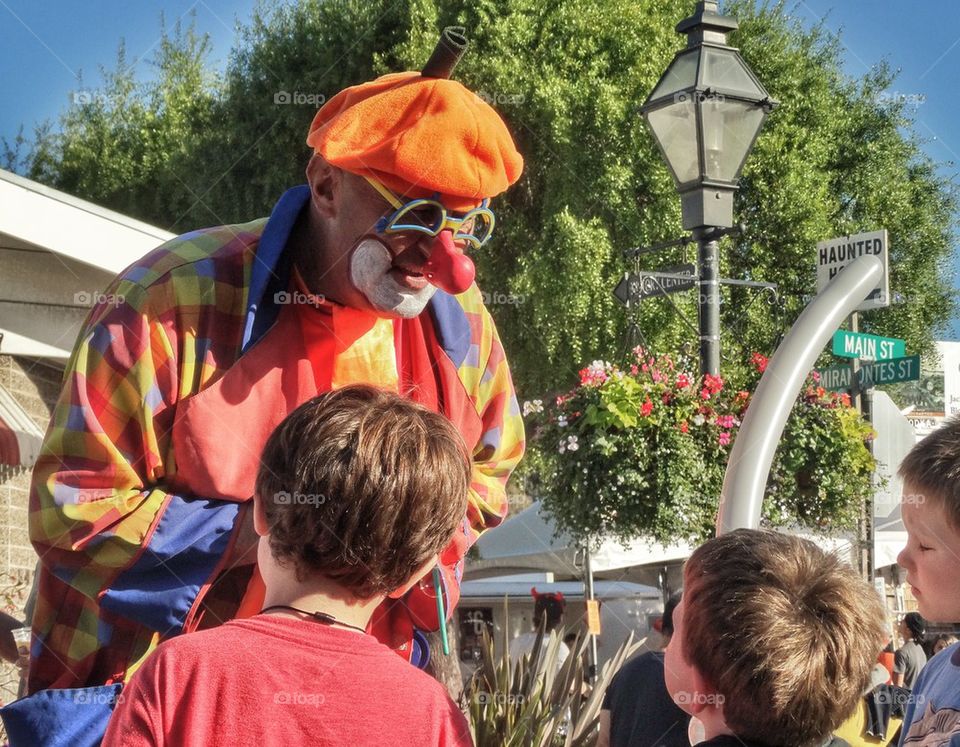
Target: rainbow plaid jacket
(125,555)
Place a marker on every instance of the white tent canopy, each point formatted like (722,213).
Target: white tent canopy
(526,542)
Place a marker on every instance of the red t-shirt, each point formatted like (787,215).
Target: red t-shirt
(271,680)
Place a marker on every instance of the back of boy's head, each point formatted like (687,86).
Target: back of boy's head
(785,632)
(363,487)
(932,467)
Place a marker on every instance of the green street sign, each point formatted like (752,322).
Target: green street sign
(869,347)
(836,378)
(840,378)
(889,372)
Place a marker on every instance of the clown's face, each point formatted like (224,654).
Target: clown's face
(385,274)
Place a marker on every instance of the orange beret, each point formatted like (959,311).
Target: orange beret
(419,136)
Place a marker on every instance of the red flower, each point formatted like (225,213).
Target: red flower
(667,397)
(713,384)
(684,427)
(646,408)
(845,399)
(704,393)
(683,381)
(759,362)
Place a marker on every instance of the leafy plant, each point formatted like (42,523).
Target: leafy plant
(642,450)
(537,702)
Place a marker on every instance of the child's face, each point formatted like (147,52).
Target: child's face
(678,673)
(931,557)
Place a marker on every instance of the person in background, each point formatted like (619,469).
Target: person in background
(910,657)
(637,709)
(944,640)
(547,612)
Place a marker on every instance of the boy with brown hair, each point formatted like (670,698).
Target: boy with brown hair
(358,491)
(930,507)
(773,640)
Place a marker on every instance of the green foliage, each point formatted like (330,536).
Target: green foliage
(124,144)
(642,450)
(189,148)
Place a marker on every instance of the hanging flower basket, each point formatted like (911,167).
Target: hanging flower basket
(641,449)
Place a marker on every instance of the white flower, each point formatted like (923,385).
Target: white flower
(563,445)
(532,407)
(562,421)
(599,367)
(572,444)
(698,419)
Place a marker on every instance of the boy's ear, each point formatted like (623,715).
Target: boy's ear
(412,581)
(259,517)
(705,697)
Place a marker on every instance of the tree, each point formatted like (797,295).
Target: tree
(120,145)
(188,149)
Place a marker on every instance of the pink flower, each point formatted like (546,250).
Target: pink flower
(724,438)
(633,369)
(816,377)
(725,421)
(595,374)
(646,408)
(639,352)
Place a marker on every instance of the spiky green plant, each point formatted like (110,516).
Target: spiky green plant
(537,702)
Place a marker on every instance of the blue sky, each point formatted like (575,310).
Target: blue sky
(45,45)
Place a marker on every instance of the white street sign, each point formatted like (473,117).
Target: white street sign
(835,254)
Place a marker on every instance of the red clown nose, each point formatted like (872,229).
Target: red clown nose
(449,268)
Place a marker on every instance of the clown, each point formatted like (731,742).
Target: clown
(140,505)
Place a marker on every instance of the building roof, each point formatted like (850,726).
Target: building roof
(57,253)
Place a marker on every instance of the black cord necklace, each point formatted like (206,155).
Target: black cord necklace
(320,617)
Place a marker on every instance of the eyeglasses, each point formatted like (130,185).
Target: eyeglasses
(429,216)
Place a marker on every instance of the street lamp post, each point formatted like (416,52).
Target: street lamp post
(705,114)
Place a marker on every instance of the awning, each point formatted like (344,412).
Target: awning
(20,438)
(529,541)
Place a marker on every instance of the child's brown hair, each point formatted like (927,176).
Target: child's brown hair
(932,467)
(785,632)
(362,486)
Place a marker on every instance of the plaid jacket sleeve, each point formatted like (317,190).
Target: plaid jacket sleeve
(98,486)
(501,444)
